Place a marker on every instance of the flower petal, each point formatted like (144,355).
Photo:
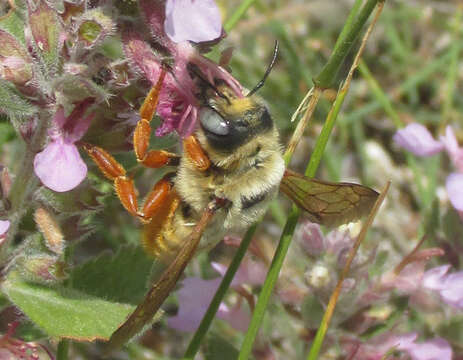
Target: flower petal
(59,166)
(452,289)
(4,226)
(236,317)
(311,238)
(418,140)
(435,349)
(451,145)
(433,279)
(192,20)
(250,272)
(454,185)
(193,299)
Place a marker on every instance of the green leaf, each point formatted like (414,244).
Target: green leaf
(121,277)
(45,28)
(14,22)
(63,312)
(13,104)
(220,349)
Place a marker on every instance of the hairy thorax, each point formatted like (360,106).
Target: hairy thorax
(248,178)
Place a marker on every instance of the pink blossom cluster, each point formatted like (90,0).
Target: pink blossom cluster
(175,27)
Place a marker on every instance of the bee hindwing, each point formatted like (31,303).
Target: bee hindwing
(328,203)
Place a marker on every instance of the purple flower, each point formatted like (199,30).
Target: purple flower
(250,272)
(454,185)
(4,226)
(418,140)
(311,238)
(435,349)
(449,286)
(59,166)
(379,346)
(178,105)
(192,20)
(194,298)
(451,145)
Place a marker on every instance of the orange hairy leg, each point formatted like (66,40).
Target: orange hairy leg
(125,187)
(114,171)
(142,133)
(195,152)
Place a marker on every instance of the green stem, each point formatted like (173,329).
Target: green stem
(195,343)
(238,14)
(63,350)
(348,24)
(328,74)
(24,184)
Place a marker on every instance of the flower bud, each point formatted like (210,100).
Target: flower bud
(50,230)
(15,62)
(42,268)
(311,238)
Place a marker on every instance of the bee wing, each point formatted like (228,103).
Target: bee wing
(328,203)
(153,300)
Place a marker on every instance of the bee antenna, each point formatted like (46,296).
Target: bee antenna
(195,71)
(267,72)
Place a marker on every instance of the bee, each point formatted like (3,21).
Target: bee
(231,169)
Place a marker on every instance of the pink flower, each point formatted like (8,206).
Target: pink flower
(451,145)
(379,346)
(418,140)
(250,272)
(454,185)
(449,286)
(194,298)
(4,226)
(59,166)
(435,349)
(192,20)
(195,20)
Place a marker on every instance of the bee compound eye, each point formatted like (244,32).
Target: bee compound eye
(214,123)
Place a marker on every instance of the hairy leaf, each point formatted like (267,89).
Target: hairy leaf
(121,277)
(63,312)
(14,105)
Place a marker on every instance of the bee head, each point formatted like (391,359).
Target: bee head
(229,122)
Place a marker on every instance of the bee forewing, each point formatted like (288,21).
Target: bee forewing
(328,203)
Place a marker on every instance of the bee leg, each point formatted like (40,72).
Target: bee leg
(195,152)
(142,134)
(156,198)
(125,187)
(114,171)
